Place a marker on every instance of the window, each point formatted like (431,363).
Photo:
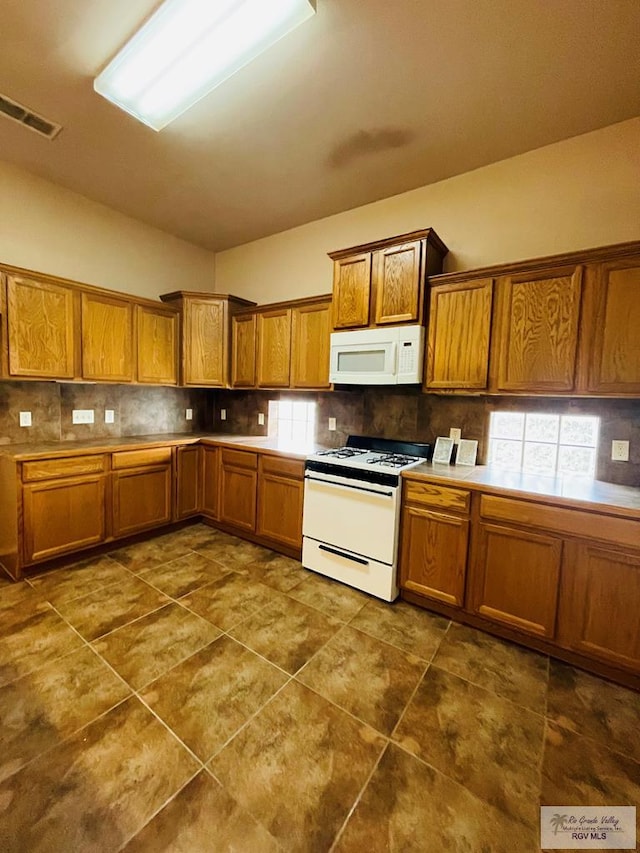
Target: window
(544,444)
(292,422)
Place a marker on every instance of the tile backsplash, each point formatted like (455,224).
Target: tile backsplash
(409,414)
(138,410)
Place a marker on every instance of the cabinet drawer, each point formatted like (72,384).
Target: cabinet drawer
(239,459)
(606,528)
(443,497)
(283,467)
(140,458)
(49,469)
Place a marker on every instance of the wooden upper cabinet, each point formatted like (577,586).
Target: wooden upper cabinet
(157,345)
(107,338)
(310,338)
(206,335)
(383,282)
(396,273)
(274,348)
(205,342)
(40,329)
(459,335)
(351,291)
(243,351)
(614,362)
(539,322)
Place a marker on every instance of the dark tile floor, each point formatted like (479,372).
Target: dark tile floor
(200,693)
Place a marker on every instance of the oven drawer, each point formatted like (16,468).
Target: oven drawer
(358,517)
(368,575)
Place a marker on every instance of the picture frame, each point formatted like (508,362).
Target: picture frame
(467,452)
(442,451)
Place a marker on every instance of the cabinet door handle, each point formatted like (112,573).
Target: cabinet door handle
(342,554)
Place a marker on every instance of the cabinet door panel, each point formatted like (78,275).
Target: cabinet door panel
(459,334)
(40,329)
(187,481)
(516,577)
(243,357)
(107,338)
(396,283)
(540,318)
(141,499)
(157,346)
(351,291)
(274,348)
(434,555)
(210,481)
(311,330)
(600,604)
(615,359)
(280,509)
(238,497)
(63,516)
(205,342)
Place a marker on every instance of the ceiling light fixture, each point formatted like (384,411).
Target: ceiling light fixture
(188,47)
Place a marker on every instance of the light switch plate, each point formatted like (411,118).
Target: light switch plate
(332,424)
(82,416)
(25,419)
(260,419)
(189,414)
(223,414)
(455,434)
(109,416)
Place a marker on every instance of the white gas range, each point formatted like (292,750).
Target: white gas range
(352,511)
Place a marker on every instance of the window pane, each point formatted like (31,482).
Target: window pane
(285,409)
(539,458)
(579,430)
(542,428)
(506,425)
(577,460)
(506,454)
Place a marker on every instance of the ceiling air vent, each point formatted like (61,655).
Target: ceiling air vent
(23,115)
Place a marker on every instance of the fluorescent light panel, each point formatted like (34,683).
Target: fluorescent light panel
(188,47)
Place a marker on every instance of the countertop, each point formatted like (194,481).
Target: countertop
(575,492)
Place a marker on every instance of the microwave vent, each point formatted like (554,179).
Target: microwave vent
(28,118)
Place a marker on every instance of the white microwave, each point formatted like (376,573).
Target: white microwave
(383,356)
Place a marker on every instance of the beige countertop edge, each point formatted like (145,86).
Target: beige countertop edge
(62,449)
(572,492)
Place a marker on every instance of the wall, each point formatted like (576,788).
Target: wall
(139,410)
(50,229)
(413,416)
(575,194)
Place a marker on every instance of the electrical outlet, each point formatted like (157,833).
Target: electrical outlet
(25,419)
(82,416)
(223,414)
(260,419)
(189,414)
(620,451)
(332,424)
(109,416)
(455,434)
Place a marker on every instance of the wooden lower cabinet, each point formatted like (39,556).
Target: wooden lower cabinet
(280,497)
(600,603)
(63,515)
(188,468)
(435,537)
(515,578)
(210,481)
(142,484)
(238,485)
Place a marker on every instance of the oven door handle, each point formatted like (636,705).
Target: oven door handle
(349,486)
(342,554)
